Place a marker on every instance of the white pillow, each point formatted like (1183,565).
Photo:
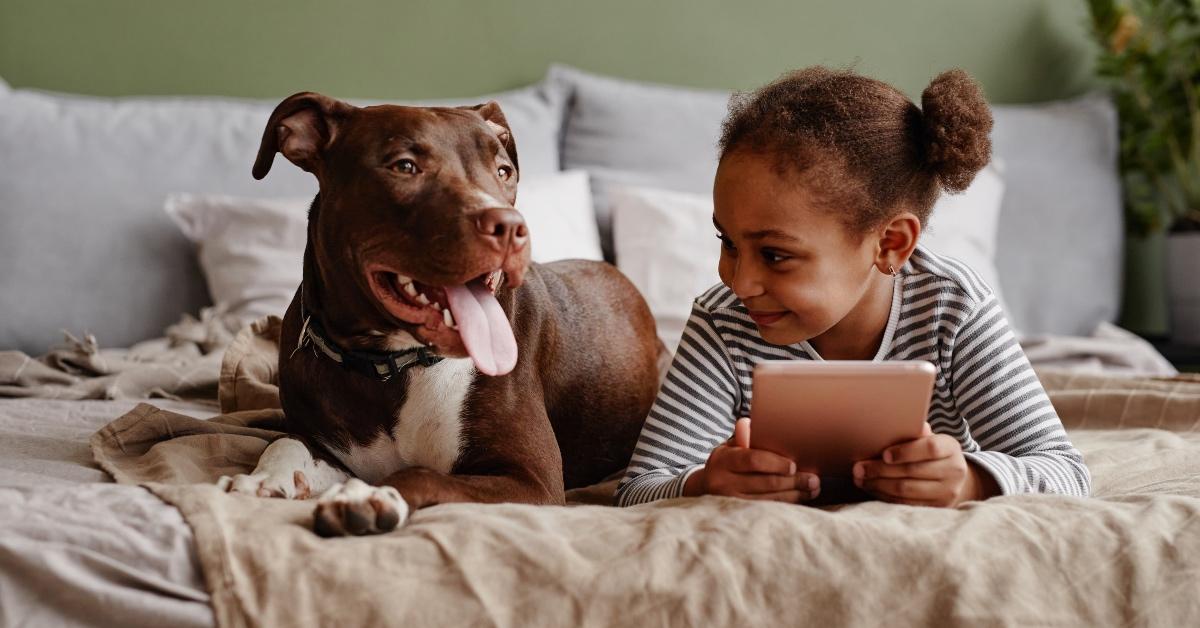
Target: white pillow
(966,226)
(252,250)
(562,221)
(665,243)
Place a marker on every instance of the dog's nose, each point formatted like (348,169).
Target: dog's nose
(504,227)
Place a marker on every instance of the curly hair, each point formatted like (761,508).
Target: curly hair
(862,146)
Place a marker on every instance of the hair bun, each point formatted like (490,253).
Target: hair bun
(957,123)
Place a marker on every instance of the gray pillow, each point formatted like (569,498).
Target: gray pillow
(84,241)
(1060,237)
(638,134)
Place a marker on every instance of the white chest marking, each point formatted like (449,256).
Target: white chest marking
(428,431)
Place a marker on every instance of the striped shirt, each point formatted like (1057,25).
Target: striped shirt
(986,394)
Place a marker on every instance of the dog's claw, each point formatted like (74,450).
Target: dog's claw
(325,522)
(356,521)
(357,508)
(387,519)
(265,485)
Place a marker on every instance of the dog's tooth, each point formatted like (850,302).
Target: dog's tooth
(449,319)
(410,289)
(422,299)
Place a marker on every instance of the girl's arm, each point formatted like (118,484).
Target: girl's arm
(694,412)
(1023,444)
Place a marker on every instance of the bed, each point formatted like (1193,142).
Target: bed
(162,225)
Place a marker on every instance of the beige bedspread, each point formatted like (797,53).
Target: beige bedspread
(1130,556)
(182,364)
(185,362)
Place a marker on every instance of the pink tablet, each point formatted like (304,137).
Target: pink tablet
(828,415)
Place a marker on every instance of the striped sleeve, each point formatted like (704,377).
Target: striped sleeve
(694,412)
(1024,446)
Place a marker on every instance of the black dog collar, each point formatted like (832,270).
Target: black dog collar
(380,365)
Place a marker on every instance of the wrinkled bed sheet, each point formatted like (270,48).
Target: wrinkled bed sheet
(76,549)
(1128,556)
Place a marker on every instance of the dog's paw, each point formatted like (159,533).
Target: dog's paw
(289,486)
(357,508)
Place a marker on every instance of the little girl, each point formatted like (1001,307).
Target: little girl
(825,181)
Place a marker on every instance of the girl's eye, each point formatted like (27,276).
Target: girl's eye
(726,243)
(505,172)
(406,166)
(772,257)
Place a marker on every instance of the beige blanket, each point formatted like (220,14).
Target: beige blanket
(183,364)
(1130,556)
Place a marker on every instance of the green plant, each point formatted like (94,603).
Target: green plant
(1150,55)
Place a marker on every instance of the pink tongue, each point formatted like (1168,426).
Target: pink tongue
(484,328)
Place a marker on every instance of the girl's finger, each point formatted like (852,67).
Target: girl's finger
(763,483)
(741,433)
(928,470)
(908,488)
(924,448)
(759,461)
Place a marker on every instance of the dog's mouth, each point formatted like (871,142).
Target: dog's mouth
(465,315)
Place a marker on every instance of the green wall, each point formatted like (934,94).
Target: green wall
(1021,50)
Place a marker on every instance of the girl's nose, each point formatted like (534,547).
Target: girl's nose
(746,281)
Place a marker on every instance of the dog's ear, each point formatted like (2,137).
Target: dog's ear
(301,127)
(494,117)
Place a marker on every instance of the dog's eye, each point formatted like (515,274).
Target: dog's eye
(405,166)
(505,172)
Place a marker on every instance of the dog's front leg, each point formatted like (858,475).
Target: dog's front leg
(501,466)
(425,487)
(357,508)
(286,469)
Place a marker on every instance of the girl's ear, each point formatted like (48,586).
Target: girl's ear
(897,241)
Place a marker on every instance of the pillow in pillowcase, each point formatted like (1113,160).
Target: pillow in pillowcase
(966,226)
(559,212)
(665,243)
(251,250)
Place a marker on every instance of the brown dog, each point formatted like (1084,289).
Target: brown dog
(424,353)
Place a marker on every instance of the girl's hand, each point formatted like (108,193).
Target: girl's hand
(928,471)
(736,470)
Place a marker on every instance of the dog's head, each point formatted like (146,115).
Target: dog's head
(416,208)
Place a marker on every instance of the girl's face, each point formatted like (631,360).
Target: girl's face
(795,266)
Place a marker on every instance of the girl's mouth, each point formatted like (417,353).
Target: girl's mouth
(766,319)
